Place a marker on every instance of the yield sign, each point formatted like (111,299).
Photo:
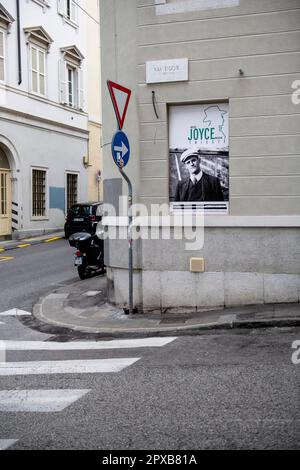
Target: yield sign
(120,97)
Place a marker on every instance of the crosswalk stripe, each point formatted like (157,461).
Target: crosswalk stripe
(42,401)
(14,312)
(93,366)
(85,345)
(6,443)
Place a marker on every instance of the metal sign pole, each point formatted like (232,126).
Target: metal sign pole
(120,148)
(129,234)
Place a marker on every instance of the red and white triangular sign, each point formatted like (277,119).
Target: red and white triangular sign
(120,97)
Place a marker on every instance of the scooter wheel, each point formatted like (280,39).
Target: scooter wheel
(83,272)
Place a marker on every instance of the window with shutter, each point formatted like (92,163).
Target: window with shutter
(2,56)
(39,43)
(69,10)
(72,86)
(63,82)
(62,6)
(38,72)
(72,10)
(71,78)
(80,89)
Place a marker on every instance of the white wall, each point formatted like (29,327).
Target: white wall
(63,34)
(41,131)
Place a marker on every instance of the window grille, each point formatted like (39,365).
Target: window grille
(3,193)
(72,190)
(38,193)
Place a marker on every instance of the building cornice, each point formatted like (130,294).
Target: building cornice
(18,117)
(42,100)
(5,18)
(38,35)
(73,54)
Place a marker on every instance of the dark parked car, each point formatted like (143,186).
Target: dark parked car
(83,217)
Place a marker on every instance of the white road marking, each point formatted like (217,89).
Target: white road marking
(14,312)
(6,443)
(2,352)
(86,345)
(92,293)
(42,401)
(66,367)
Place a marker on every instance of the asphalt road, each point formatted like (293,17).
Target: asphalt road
(32,272)
(226,390)
(220,390)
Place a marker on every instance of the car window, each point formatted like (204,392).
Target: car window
(80,210)
(99,210)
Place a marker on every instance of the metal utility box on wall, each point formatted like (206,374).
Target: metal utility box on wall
(197,265)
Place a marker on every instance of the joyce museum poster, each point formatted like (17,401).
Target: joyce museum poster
(199,157)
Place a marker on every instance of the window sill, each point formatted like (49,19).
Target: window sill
(36,219)
(74,108)
(42,3)
(70,22)
(5,87)
(37,95)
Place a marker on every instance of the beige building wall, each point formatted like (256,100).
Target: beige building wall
(95,184)
(95,164)
(260,37)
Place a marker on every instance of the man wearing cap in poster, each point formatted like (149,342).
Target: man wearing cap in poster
(199,186)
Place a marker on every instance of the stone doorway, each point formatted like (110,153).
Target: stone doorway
(5,196)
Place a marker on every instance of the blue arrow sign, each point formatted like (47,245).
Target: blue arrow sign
(120,149)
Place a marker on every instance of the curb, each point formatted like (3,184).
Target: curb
(166,331)
(27,245)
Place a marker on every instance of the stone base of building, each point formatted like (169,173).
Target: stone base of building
(185,291)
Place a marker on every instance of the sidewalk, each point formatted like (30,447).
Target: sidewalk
(8,245)
(82,306)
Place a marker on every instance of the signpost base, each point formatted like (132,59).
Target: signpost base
(129,234)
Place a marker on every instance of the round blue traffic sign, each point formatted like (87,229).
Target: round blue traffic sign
(120,149)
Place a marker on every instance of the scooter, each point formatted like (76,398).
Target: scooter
(89,257)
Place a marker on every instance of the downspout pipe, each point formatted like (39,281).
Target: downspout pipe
(19,43)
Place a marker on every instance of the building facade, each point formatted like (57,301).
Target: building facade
(221,78)
(95,183)
(43,118)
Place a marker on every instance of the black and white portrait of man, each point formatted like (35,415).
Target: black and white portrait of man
(198,186)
